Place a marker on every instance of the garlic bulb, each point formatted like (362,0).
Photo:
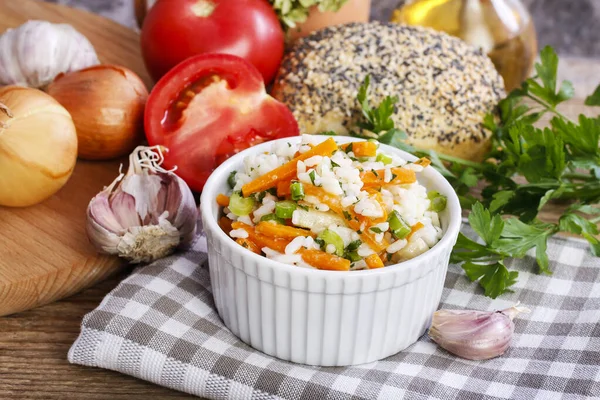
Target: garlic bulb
(475,335)
(145,214)
(36,52)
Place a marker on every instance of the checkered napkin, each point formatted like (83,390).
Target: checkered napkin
(161,325)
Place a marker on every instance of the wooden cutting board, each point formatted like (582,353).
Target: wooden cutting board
(44,251)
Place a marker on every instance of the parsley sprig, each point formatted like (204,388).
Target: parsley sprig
(527,168)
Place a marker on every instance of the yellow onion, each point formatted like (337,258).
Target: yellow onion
(38,146)
(107,105)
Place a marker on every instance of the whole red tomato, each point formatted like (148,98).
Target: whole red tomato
(175,30)
(209,108)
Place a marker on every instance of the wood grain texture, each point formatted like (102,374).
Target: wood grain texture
(44,251)
(33,356)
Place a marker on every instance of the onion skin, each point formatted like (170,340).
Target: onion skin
(107,105)
(38,146)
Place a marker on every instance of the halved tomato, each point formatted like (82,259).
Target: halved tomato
(208,108)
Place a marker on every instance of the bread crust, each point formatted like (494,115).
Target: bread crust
(444,86)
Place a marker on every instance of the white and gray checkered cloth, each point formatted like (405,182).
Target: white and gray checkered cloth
(161,325)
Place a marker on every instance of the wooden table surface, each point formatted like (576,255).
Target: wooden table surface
(34,344)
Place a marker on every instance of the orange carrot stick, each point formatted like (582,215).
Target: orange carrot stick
(222,200)
(332,201)
(249,244)
(225,224)
(373,261)
(362,149)
(287,170)
(321,260)
(277,231)
(262,240)
(355,221)
(283,188)
(400,176)
(424,162)
(415,228)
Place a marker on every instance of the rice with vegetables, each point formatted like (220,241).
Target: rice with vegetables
(317,204)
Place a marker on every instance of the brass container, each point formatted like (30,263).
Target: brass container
(504,29)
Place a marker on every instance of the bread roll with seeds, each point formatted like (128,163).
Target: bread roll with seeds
(444,86)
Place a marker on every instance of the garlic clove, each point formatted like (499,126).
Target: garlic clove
(99,210)
(474,335)
(105,240)
(144,188)
(145,214)
(123,208)
(186,213)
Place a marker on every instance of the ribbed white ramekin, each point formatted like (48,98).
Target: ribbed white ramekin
(325,318)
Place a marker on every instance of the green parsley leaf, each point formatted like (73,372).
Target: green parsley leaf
(593,99)
(547,72)
(579,225)
(582,139)
(484,225)
(519,237)
(353,246)
(375,229)
(494,278)
(377,119)
(312,176)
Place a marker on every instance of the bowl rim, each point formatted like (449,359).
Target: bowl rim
(209,194)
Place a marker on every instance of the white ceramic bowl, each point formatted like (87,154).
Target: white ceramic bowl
(326,318)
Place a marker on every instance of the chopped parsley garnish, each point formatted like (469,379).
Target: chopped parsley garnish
(312,176)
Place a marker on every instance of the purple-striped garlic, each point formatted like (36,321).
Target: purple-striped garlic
(475,335)
(145,214)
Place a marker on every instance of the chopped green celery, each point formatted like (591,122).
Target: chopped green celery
(231,179)
(297,191)
(438,201)
(384,159)
(399,228)
(285,209)
(241,206)
(274,218)
(330,237)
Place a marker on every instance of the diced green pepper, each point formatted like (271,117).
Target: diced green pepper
(330,237)
(273,217)
(399,228)
(285,209)
(438,201)
(297,191)
(384,159)
(231,179)
(239,205)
